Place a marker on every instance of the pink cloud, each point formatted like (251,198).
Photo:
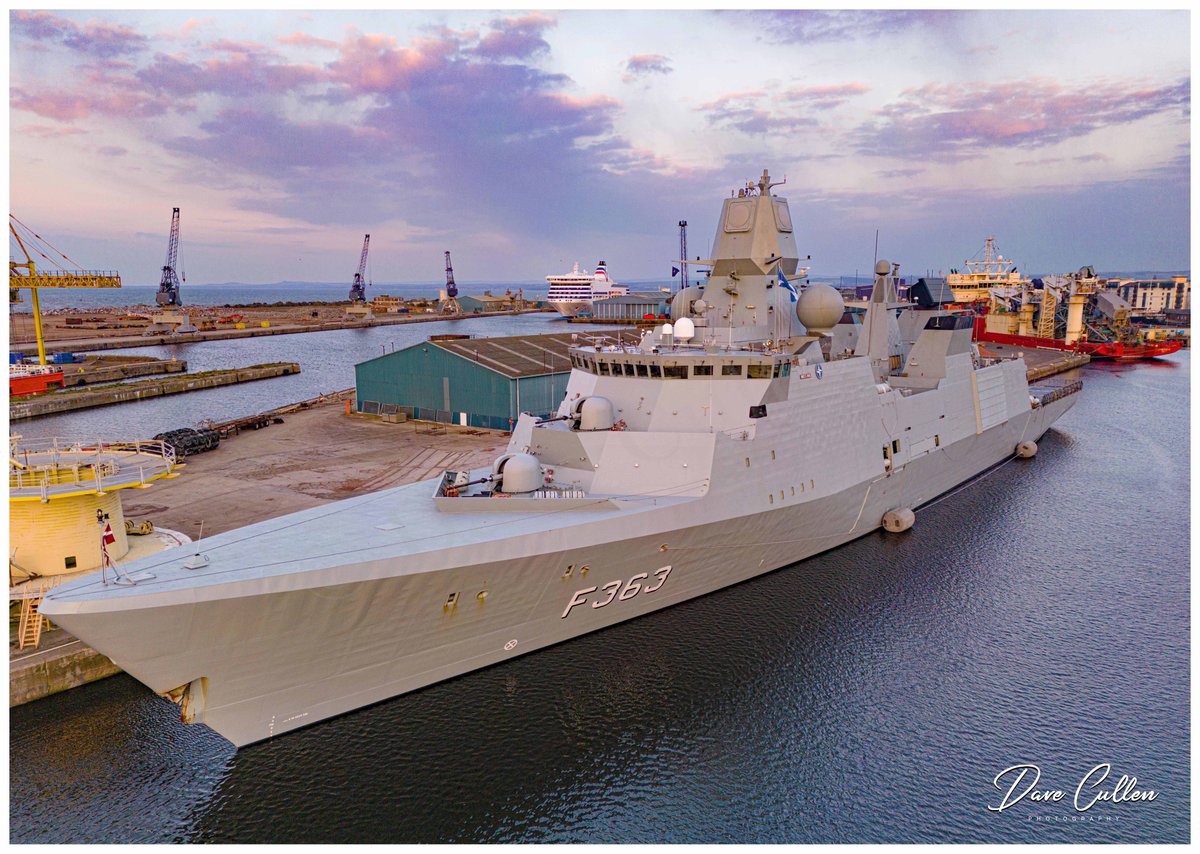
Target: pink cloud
(644,64)
(95,37)
(67,107)
(824,97)
(952,121)
(516,38)
(51,131)
(304,40)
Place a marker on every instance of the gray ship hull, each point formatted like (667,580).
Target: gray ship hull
(272,657)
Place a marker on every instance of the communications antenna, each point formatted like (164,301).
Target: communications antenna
(683,264)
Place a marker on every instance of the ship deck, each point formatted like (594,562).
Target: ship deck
(393,532)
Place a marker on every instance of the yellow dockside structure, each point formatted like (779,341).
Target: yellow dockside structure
(65,513)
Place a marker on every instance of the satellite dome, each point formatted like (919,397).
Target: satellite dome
(819,308)
(685,330)
(882,268)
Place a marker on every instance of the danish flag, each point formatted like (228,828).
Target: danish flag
(109,537)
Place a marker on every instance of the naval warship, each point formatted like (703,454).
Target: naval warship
(756,429)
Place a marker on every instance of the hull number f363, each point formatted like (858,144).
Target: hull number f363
(619,589)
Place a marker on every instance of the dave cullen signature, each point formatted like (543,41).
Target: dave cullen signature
(1019,782)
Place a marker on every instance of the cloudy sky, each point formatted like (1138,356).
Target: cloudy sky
(523,141)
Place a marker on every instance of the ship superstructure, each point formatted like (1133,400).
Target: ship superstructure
(993,270)
(572,294)
(728,443)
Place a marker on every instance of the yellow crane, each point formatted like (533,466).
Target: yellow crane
(25,274)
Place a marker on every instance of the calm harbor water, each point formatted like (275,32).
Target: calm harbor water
(871,694)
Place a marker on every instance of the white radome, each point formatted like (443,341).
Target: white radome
(819,308)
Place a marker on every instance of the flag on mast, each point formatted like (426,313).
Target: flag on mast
(106,540)
(787,286)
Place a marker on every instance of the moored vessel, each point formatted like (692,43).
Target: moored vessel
(1072,313)
(982,274)
(739,438)
(572,294)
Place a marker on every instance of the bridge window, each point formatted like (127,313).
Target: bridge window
(603,369)
(758,372)
(702,370)
(656,371)
(731,370)
(628,369)
(675,372)
(642,371)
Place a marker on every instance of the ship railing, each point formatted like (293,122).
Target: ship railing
(42,463)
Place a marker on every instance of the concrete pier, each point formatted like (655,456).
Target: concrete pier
(61,662)
(109,369)
(56,402)
(1039,363)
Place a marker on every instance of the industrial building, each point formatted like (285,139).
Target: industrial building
(474,382)
(627,307)
(488,301)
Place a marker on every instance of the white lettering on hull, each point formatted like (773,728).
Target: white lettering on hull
(628,589)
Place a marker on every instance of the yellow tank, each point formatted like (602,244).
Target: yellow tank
(63,536)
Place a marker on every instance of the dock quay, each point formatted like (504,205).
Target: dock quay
(108,369)
(66,401)
(1039,363)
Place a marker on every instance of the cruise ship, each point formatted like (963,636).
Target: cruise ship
(572,293)
(746,435)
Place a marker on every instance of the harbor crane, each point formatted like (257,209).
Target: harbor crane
(449,304)
(171,319)
(358,290)
(25,274)
(359,308)
(168,288)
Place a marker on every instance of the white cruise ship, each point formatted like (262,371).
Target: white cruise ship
(572,293)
